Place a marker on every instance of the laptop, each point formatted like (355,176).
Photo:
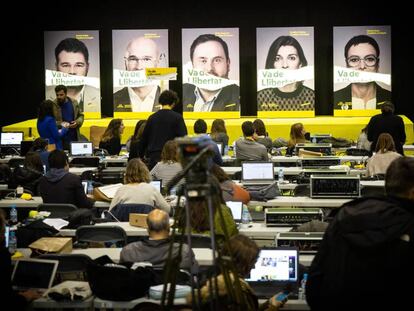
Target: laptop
(10,141)
(236,210)
(257,173)
(221,148)
(157,183)
(276,269)
(81,148)
(37,274)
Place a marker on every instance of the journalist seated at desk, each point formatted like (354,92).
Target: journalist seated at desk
(155,248)
(60,186)
(136,188)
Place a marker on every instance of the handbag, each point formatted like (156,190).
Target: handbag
(265,192)
(110,281)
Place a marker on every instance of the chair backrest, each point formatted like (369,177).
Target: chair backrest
(71,266)
(122,211)
(197,240)
(57,210)
(95,134)
(101,234)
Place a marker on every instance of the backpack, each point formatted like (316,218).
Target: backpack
(33,231)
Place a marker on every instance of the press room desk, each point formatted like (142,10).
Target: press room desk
(288,201)
(288,171)
(35,201)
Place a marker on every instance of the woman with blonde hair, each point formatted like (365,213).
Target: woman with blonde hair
(137,189)
(385,153)
(219,133)
(169,165)
(111,139)
(297,136)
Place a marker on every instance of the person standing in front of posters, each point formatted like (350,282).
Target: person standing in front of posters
(362,53)
(210,53)
(140,53)
(286,53)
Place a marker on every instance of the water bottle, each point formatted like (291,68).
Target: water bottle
(13,215)
(302,288)
(90,187)
(12,242)
(314,140)
(245,216)
(281,175)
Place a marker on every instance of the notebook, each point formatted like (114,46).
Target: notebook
(276,269)
(157,183)
(236,210)
(81,148)
(257,173)
(34,274)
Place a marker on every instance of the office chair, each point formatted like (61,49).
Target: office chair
(121,212)
(57,210)
(106,235)
(71,266)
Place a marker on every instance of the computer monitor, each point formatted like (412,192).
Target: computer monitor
(34,274)
(81,148)
(157,183)
(11,139)
(236,210)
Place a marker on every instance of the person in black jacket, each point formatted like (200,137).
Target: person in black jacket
(387,122)
(111,138)
(29,175)
(60,186)
(162,126)
(16,300)
(366,257)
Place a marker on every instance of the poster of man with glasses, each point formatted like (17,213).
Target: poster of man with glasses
(362,67)
(133,51)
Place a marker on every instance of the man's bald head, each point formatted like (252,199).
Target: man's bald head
(141,53)
(158,221)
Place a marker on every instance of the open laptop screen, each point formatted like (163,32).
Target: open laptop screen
(34,273)
(252,171)
(236,209)
(157,183)
(220,147)
(81,148)
(11,139)
(276,265)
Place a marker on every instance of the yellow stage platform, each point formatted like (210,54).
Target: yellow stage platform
(345,127)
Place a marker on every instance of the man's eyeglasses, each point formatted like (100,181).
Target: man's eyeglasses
(369,60)
(132,60)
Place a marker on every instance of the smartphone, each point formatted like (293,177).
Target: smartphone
(282,296)
(6,235)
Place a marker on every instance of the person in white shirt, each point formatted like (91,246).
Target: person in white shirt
(384,154)
(137,190)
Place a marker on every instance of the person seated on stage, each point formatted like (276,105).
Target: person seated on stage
(199,216)
(219,133)
(18,300)
(169,165)
(60,186)
(40,146)
(132,144)
(111,139)
(136,188)
(155,248)
(385,153)
(29,175)
(200,128)
(244,253)
(367,250)
(297,136)
(231,191)
(247,148)
(260,134)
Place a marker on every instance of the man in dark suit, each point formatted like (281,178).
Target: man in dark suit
(210,53)
(387,122)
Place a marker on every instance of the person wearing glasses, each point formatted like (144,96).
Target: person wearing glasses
(72,57)
(286,53)
(140,53)
(362,53)
(210,54)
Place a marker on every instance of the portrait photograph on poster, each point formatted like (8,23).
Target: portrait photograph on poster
(362,68)
(285,69)
(210,58)
(72,59)
(133,52)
